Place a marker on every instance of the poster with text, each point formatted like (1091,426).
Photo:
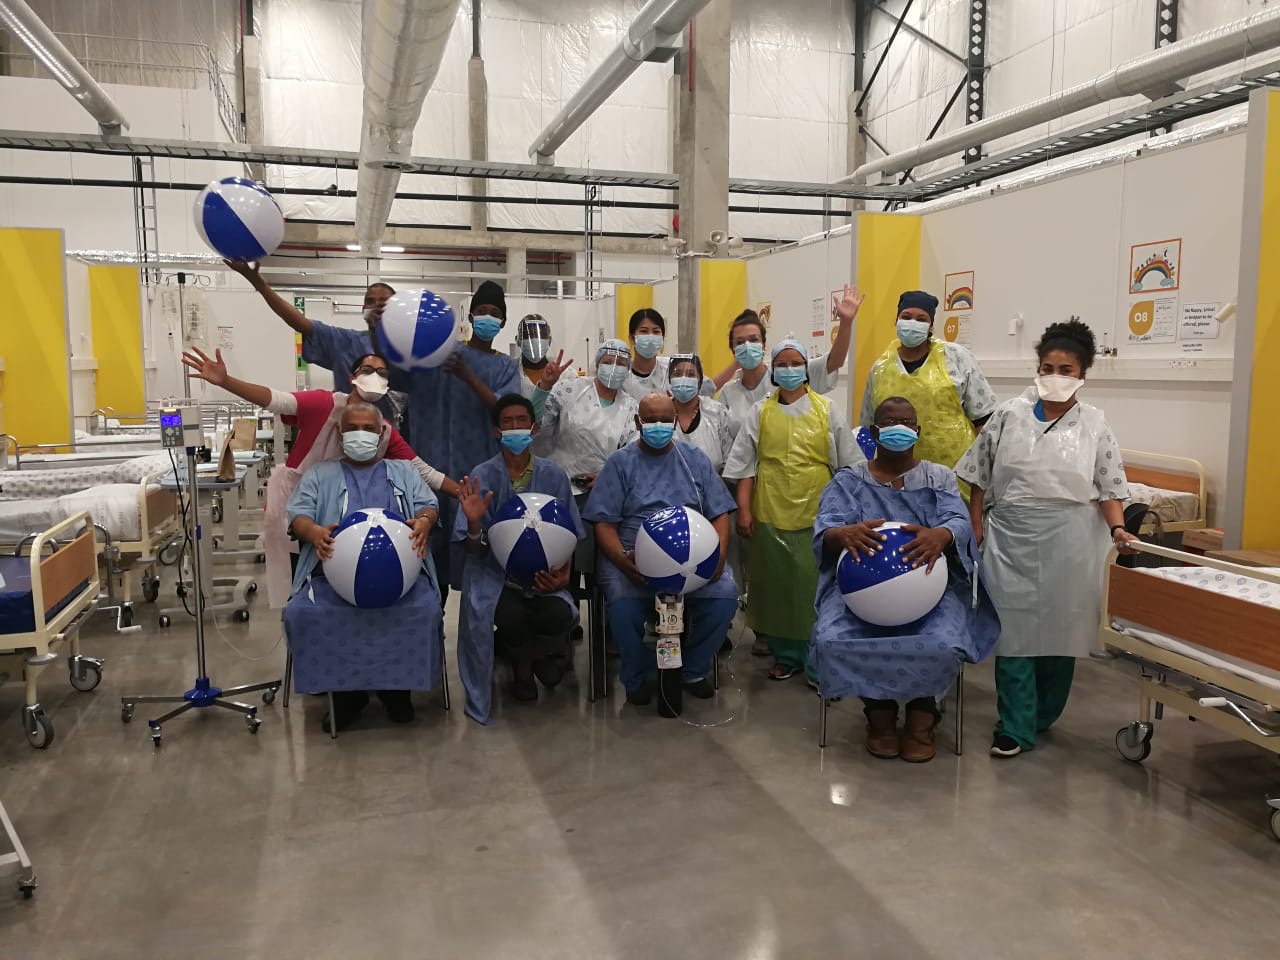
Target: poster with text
(1153,320)
(1199,321)
(818,324)
(1155,267)
(958,291)
(956,329)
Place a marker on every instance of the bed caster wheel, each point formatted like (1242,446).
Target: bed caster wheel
(151,589)
(125,620)
(38,727)
(1133,742)
(85,675)
(126,712)
(241,616)
(217,513)
(269,696)
(252,587)
(180,589)
(155,736)
(253,723)
(164,620)
(28,888)
(168,557)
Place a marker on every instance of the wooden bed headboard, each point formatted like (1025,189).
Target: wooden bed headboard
(1164,479)
(62,572)
(1219,622)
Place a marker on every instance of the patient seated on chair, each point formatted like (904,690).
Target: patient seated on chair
(345,650)
(917,662)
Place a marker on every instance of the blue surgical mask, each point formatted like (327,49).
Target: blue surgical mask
(485,328)
(360,445)
(649,344)
(657,435)
(612,375)
(897,438)
(789,377)
(912,333)
(749,354)
(684,389)
(535,349)
(516,441)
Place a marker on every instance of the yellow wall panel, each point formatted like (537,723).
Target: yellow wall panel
(888,260)
(627,299)
(115,305)
(722,295)
(35,386)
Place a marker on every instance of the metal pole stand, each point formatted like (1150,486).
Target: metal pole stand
(203,694)
(671,635)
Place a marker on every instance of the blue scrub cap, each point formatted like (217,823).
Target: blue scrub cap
(920,300)
(616,347)
(789,344)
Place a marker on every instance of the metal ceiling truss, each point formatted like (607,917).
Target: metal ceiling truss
(920,35)
(1166,22)
(976,71)
(1180,107)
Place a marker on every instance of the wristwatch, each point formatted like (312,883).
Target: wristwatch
(1115,527)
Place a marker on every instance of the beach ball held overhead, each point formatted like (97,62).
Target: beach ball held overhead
(373,563)
(239,219)
(885,590)
(532,532)
(677,550)
(418,330)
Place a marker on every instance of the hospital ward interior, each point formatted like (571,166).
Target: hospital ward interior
(629,478)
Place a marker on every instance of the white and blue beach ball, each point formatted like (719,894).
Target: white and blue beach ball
(239,219)
(418,330)
(677,550)
(530,533)
(885,590)
(373,563)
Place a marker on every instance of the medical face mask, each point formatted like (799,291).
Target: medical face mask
(684,389)
(369,316)
(657,435)
(536,349)
(371,386)
(486,328)
(789,377)
(612,375)
(1056,388)
(897,438)
(912,333)
(749,355)
(516,441)
(649,345)
(360,445)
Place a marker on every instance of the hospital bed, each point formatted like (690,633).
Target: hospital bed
(44,600)
(1173,488)
(1206,639)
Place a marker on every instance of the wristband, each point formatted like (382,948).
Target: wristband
(1115,527)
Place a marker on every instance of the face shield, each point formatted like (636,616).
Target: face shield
(534,337)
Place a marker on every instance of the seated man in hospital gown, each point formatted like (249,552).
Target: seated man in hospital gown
(648,475)
(349,650)
(917,662)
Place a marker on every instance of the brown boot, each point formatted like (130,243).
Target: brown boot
(917,736)
(882,733)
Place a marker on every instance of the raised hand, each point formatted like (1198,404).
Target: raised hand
(553,370)
(471,501)
(849,304)
(247,269)
(210,370)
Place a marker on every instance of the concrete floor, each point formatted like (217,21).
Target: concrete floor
(573,829)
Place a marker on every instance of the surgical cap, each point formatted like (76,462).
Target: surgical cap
(616,347)
(920,300)
(687,358)
(789,344)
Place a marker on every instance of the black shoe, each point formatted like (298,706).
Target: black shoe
(702,688)
(525,688)
(1003,745)
(347,705)
(548,671)
(643,696)
(398,705)
(727,646)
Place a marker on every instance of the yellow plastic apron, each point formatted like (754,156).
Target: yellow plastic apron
(794,467)
(946,431)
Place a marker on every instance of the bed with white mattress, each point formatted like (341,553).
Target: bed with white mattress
(1207,641)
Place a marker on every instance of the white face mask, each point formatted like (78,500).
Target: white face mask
(1056,388)
(371,386)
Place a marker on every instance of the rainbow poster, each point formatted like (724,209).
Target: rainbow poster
(1156,266)
(958,291)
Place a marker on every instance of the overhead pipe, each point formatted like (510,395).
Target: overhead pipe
(652,37)
(1153,74)
(32,32)
(402,44)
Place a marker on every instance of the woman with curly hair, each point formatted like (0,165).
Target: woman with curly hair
(1047,488)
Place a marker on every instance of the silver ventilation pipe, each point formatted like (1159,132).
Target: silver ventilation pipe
(402,44)
(654,37)
(32,32)
(1153,74)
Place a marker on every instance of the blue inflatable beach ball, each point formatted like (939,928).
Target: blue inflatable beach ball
(677,550)
(373,563)
(418,330)
(866,442)
(885,590)
(239,219)
(532,532)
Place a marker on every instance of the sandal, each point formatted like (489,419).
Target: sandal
(782,671)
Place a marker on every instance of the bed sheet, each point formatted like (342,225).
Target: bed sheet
(1218,581)
(113,505)
(1171,506)
(38,484)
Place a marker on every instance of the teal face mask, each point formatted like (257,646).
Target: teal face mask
(485,328)
(749,354)
(897,438)
(360,445)
(684,389)
(657,435)
(517,441)
(789,377)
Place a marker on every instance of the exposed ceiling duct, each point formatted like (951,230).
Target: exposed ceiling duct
(653,37)
(1154,74)
(29,30)
(402,43)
